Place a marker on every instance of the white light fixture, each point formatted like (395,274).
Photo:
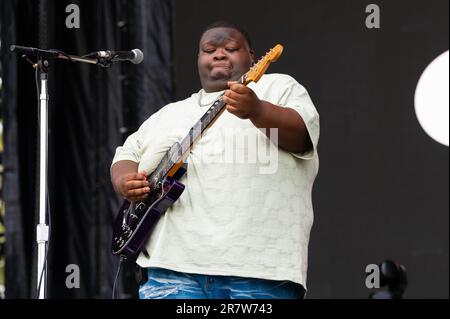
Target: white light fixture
(431,99)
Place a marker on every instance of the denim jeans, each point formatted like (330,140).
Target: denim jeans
(168,284)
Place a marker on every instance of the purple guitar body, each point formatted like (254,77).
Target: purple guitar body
(135,222)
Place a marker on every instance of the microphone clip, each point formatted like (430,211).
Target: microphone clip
(103,60)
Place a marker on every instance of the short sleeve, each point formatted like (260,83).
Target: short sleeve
(133,148)
(296,97)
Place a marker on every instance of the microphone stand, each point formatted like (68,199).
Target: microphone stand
(42,229)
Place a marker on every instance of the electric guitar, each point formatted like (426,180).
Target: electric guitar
(135,221)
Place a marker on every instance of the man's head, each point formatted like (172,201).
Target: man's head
(225,54)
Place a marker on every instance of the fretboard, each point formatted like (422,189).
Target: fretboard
(176,152)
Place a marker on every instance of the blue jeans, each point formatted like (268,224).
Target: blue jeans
(168,284)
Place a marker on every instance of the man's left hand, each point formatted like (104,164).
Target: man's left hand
(242,101)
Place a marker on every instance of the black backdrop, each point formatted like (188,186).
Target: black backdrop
(382,189)
(91,111)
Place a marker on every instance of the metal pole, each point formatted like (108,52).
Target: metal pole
(42,229)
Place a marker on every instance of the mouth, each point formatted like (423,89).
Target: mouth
(221,65)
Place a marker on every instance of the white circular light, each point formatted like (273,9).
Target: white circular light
(431,99)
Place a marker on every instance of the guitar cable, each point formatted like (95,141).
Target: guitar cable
(123,258)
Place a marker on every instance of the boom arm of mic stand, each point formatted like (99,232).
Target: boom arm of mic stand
(57,54)
(99,61)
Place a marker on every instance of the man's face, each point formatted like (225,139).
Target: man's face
(224,55)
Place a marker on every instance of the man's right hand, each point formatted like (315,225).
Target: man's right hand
(133,186)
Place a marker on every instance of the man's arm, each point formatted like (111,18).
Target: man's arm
(292,133)
(128,182)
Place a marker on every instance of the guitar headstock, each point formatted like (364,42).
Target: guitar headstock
(256,72)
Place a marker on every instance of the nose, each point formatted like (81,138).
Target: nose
(220,55)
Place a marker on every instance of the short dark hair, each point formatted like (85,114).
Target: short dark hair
(230,25)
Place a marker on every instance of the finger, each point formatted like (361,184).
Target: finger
(133,176)
(234,110)
(240,88)
(136,184)
(229,101)
(230,83)
(233,95)
(138,192)
(231,109)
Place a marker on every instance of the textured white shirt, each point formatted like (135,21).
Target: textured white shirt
(246,210)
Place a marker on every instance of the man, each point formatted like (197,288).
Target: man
(241,228)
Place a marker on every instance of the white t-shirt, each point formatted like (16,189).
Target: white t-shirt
(246,210)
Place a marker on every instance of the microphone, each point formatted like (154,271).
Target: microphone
(135,56)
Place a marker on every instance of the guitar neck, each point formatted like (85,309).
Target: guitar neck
(180,150)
